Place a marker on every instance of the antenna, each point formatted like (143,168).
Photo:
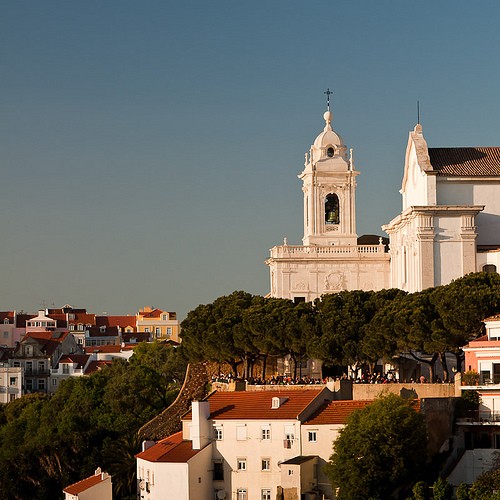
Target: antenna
(328,93)
(418,112)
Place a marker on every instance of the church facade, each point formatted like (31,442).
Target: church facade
(449,224)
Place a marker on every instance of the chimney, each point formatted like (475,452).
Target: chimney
(200,429)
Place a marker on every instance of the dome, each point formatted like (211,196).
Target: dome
(328,137)
(328,145)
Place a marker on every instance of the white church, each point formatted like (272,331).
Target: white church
(449,224)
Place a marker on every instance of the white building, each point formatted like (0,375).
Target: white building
(247,446)
(449,225)
(96,487)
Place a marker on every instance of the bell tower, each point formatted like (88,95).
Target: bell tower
(329,185)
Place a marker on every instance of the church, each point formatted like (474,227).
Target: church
(449,224)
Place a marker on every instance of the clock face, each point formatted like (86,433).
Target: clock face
(330,152)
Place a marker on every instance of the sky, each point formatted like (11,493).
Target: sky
(149,150)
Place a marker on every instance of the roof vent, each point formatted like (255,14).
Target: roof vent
(277,402)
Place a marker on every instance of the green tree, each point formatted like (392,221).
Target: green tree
(381,448)
(486,486)
(420,491)
(462,492)
(442,489)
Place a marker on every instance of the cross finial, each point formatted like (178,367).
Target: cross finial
(328,93)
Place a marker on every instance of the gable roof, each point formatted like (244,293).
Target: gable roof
(79,359)
(466,162)
(85,484)
(335,412)
(171,449)
(121,321)
(258,405)
(9,315)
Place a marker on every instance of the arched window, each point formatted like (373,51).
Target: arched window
(490,268)
(332,211)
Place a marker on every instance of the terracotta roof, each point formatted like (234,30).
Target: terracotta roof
(79,359)
(22,318)
(140,337)
(495,317)
(84,484)
(60,318)
(335,412)
(155,313)
(7,315)
(84,318)
(466,162)
(95,366)
(121,321)
(172,449)
(258,405)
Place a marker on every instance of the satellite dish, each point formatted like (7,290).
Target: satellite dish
(221,494)
(142,484)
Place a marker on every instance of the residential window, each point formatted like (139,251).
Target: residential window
(241,494)
(72,327)
(266,432)
(164,317)
(218,433)
(146,330)
(6,321)
(29,384)
(312,436)
(13,380)
(41,384)
(218,471)
(80,327)
(265,494)
(241,464)
(266,464)
(169,330)
(158,331)
(54,381)
(12,397)
(41,366)
(5,335)
(241,432)
(65,368)
(102,329)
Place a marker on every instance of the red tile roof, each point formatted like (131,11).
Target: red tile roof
(83,318)
(172,449)
(258,405)
(7,315)
(335,412)
(79,359)
(121,321)
(84,484)
(466,162)
(22,318)
(155,313)
(95,366)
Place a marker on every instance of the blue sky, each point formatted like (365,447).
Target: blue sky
(150,150)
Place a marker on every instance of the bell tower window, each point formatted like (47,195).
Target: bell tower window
(330,152)
(332,212)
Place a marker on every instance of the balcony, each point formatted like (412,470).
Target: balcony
(325,251)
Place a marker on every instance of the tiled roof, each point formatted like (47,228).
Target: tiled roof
(335,412)
(22,318)
(79,359)
(155,313)
(7,315)
(83,485)
(95,366)
(258,405)
(466,162)
(60,318)
(172,449)
(83,318)
(121,321)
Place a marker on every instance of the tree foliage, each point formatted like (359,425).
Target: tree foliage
(49,442)
(382,447)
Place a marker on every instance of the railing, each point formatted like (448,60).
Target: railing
(299,250)
(482,416)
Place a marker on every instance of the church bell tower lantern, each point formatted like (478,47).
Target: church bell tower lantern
(329,185)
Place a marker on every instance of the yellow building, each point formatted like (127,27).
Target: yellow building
(163,325)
